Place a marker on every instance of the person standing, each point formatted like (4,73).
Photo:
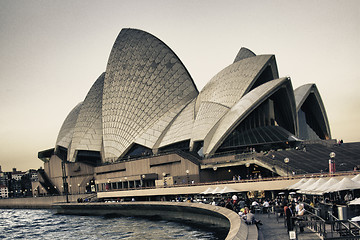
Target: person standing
(288,216)
(266,206)
(299,214)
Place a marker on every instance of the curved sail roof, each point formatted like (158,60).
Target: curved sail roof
(67,129)
(243,108)
(182,127)
(208,115)
(230,84)
(302,93)
(88,128)
(146,100)
(145,87)
(244,53)
(227,87)
(308,98)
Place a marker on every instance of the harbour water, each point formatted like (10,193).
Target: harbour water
(45,224)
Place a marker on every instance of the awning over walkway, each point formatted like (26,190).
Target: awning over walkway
(321,186)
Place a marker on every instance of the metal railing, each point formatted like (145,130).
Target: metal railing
(222,182)
(331,229)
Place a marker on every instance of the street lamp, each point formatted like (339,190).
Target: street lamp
(286,161)
(79,187)
(187,176)
(273,163)
(247,165)
(142,180)
(164,177)
(108,185)
(127,182)
(332,163)
(215,168)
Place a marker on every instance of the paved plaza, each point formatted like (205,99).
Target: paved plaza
(274,230)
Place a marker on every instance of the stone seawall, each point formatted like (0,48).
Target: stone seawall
(203,214)
(37,202)
(208,215)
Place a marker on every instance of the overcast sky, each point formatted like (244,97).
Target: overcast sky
(51,52)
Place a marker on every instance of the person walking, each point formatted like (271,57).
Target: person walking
(288,216)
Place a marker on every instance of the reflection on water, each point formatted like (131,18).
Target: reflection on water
(44,224)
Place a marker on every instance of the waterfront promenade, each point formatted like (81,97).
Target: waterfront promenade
(274,230)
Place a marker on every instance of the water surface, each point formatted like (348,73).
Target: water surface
(45,224)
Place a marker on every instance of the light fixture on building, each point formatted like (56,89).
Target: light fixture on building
(286,161)
(187,176)
(332,163)
(247,165)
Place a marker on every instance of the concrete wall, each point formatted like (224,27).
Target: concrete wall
(80,174)
(77,174)
(171,164)
(208,215)
(37,202)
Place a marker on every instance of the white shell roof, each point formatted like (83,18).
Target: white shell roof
(88,129)
(302,93)
(147,97)
(208,115)
(230,84)
(244,53)
(239,112)
(182,127)
(226,88)
(67,129)
(145,86)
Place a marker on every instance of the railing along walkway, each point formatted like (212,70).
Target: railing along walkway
(332,229)
(280,178)
(274,228)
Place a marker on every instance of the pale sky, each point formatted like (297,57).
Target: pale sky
(52,51)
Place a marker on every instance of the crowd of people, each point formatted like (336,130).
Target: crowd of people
(293,213)
(292,210)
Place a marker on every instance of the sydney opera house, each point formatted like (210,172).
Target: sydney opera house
(144,123)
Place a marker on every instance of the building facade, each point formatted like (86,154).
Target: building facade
(144,123)
(4,191)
